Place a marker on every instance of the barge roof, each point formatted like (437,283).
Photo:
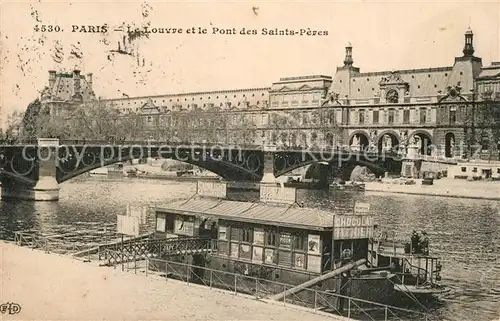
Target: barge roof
(260,213)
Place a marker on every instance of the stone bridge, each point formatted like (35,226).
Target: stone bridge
(34,170)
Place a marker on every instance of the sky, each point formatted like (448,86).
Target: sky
(385,35)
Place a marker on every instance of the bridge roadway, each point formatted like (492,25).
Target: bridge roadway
(27,167)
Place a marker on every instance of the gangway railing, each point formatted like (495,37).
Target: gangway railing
(142,249)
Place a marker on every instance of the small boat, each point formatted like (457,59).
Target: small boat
(348,186)
(417,272)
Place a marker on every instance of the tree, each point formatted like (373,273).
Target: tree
(487,125)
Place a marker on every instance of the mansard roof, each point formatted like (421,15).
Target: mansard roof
(422,82)
(64,89)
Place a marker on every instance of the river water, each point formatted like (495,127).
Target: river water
(464,233)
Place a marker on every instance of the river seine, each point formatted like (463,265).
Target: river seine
(464,233)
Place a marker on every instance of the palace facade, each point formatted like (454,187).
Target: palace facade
(442,107)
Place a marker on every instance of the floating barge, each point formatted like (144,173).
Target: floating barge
(303,247)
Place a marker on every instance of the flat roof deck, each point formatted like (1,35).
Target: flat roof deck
(261,213)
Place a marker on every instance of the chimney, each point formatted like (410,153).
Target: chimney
(89,80)
(52,78)
(76,84)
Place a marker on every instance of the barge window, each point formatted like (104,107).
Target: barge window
(300,243)
(235,233)
(246,235)
(270,238)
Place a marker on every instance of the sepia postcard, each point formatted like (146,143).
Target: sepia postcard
(250,160)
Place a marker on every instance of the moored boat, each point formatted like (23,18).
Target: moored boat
(418,274)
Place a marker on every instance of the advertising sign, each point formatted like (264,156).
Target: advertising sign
(285,240)
(313,244)
(361,208)
(211,189)
(258,236)
(257,254)
(314,263)
(184,225)
(138,211)
(277,194)
(127,225)
(161,223)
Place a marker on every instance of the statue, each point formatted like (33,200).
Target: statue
(355,143)
(387,142)
(404,135)
(452,146)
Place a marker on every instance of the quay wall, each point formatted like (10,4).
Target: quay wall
(76,290)
(447,187)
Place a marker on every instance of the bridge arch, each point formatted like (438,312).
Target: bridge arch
(248,167)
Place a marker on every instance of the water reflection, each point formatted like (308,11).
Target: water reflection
(464,233)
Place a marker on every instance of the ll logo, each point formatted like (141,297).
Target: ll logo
(10,308)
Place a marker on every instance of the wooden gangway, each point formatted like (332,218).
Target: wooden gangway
(155,248)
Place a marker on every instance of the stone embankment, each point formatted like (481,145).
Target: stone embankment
(447,187)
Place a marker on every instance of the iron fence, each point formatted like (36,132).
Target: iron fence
(49,244)
(316,299)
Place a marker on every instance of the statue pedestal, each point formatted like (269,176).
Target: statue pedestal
(408,166)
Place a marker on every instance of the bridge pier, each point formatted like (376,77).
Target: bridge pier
(46,187)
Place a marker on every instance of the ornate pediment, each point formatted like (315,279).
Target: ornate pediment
(331,99)
(305,87)
(394,78)
(453,93)
(149,107)
(285,88)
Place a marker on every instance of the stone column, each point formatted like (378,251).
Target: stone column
(46,187)
(271,191)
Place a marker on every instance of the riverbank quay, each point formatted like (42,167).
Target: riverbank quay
(445,187)
(50,286)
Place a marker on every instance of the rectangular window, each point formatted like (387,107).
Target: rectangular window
(235,233)
(423,115)
(361,117)
(270,238)
(246,235)
(300,243)
(391,116)
(474,169)
(453,116)
(406,116)
(375,116)
(464,169)
(498,170)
